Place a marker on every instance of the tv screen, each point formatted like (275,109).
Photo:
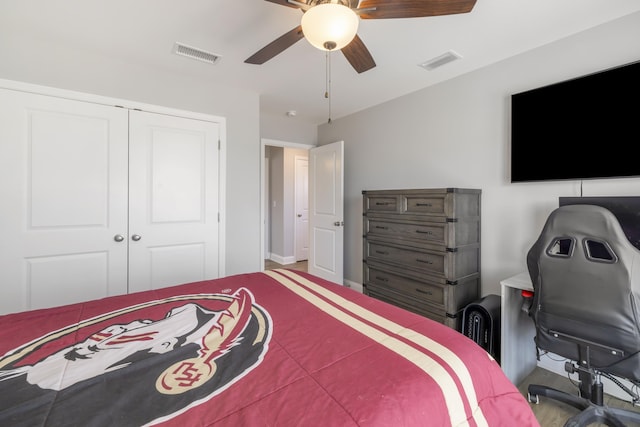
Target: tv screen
(584,128)
(626,209)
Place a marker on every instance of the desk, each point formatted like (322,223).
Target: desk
(517,347)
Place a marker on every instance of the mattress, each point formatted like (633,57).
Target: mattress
(275,348)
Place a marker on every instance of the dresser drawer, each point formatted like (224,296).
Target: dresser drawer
(450,296)
(451,320)
(382,203)
(415,305)
(418,231)
(424,205)
(433,293)
(450,234)
(451,265)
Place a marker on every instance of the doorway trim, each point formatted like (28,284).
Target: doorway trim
(301,192)
(264,142)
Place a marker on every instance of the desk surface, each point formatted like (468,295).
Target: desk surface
(519,281)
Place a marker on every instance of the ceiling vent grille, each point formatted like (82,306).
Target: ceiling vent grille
(195,53)
(441,60)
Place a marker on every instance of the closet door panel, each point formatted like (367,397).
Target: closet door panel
(64,191)
(177,264)
(173,200)
(63,148)
(65,278)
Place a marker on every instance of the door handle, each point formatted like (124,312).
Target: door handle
(338,223)
(299,215)
(136,237)
(118,238)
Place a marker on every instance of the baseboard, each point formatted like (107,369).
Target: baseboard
(353,285)
(284,260)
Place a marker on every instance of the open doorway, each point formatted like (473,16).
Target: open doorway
(284,198)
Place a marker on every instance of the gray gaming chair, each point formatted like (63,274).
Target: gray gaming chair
(586,307)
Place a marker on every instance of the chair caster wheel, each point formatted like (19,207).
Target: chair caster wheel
(533,398)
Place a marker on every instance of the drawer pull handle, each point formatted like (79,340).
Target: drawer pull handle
(381,227)
(383,203)
(424,232)
(424,204)
(382,279)
(382,252)
(424,261)
(424,292)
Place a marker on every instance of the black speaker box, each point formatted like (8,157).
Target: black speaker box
(481,323)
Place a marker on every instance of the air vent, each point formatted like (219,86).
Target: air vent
(195,53)
(439,61)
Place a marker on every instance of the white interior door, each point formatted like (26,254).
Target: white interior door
(173,200)
(63,187)
(326,211)
(302,207)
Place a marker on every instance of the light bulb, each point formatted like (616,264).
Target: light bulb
(329,26)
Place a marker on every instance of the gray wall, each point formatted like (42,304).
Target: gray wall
(276,183)
(456,134)
(292,129)
(282,201)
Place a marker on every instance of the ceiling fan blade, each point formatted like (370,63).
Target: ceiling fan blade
(284,3)
(275,47)
(358,55)
(385,9)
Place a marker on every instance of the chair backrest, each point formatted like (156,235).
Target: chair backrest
(586,280)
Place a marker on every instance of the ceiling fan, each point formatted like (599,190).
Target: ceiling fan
(354,49)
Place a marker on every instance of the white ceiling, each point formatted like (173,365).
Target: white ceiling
(144,31)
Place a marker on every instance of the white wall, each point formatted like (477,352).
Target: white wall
(31,59)
(456,134)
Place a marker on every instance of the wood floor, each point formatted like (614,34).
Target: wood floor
(551,413)
(300,265)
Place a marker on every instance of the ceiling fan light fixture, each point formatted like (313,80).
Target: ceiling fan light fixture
(329,26)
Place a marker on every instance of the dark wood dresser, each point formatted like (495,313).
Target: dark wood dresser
(422,250)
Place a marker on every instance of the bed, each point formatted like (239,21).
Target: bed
(279,348)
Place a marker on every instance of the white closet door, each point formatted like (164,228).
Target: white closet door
(63,189)
(173,200)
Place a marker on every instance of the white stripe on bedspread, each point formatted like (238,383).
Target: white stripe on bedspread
(431,367)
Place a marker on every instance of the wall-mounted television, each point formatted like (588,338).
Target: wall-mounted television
(626,209)
(583,128)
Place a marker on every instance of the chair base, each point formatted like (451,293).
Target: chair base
(590,412)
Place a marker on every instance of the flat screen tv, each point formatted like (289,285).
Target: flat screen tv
(584,128)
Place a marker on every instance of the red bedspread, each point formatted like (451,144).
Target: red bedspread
(279,348)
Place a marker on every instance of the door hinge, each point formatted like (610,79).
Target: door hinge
(218,145)
(218,216)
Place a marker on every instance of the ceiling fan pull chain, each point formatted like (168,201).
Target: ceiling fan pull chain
(326,74)
(327,91)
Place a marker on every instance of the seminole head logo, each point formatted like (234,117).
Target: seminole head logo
(144,363)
